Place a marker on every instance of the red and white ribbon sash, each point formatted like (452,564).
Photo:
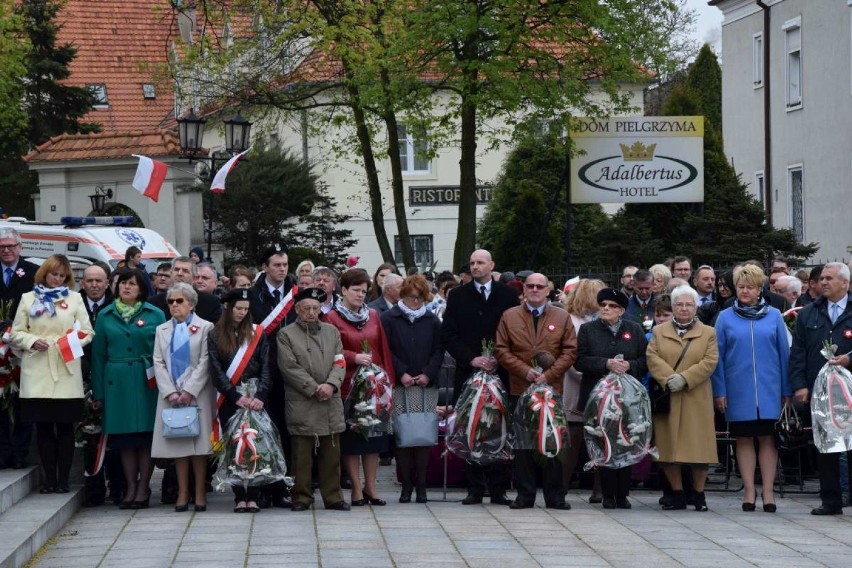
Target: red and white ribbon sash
(236,369)
(543,403)
(380,395)
(279,312)
(835,380)
(99,459)
(151,375)
(610,390)
(486,391)
(70,345)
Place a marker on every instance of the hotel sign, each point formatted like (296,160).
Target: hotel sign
(445,195)
(638,160)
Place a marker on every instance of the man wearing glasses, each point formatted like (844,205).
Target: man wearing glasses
(524,333)
(627,280)
(16,279)
(162,278)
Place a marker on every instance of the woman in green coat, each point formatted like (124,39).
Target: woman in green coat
(121,354)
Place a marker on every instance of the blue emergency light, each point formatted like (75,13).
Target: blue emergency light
(114,221)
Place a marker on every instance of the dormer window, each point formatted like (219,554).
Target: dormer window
(148,91)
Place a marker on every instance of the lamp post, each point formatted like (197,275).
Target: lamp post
(191,132)
(98,199)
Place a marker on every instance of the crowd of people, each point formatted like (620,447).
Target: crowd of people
(715,343)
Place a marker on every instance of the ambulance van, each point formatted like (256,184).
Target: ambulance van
(85,240)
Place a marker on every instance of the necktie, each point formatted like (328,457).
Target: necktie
(95,308)
(536,314)
(704,300)
(835,312)
(7,276)
(482,293)
(643,307)
(276,296)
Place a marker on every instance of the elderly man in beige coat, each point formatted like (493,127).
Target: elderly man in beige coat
(310,356)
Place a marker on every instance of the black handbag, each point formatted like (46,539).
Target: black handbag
(790,429)
(661,397)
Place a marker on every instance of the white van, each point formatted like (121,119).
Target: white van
(85,240)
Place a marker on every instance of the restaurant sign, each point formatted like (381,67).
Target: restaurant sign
(444,195)
(638,160)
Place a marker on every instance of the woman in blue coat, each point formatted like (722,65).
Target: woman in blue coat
(121,354)
(750,383)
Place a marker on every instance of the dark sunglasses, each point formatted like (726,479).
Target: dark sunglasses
(171,301)
(535,286)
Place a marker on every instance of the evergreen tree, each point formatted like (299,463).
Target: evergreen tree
(264,197)
(321,234)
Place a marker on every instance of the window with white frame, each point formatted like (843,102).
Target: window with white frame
(99,92)
(422,247)
(760,187)
(413,150)
(793,44)
(796,188)
(758,60)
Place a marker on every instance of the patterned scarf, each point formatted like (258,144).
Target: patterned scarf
(755,312)
(682,328)
(179,357)
(45,298)
(359,319)
(409,313)
(126,312)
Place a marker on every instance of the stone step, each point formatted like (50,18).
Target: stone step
(15,484)
(28,524)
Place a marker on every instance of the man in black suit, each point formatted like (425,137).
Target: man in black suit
(97,296)
(16,279)
(390,293)
(183,270)
(270,289)
(472,315)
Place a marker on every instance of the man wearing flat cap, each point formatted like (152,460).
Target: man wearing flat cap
(310,356)
(529,332)
(270,307)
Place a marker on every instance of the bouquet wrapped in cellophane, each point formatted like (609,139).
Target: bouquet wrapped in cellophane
(479,427)
(251,453)
(831,406)
(369,405)
(617,424)
(539,422)
(10,363)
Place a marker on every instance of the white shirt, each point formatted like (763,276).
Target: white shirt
(487,288)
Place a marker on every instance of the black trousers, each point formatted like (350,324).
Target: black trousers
(615,483)
(495,478)
(56,449)
(829,479)
(527,465)
(14,438)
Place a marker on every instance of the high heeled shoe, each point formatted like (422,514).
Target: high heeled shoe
(748,507)
(182,508)
(769,507)
(375,501)
(144,503)
(200,508)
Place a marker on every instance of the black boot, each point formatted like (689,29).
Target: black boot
(421,494)
(699,501)
(677,502)
(405,496)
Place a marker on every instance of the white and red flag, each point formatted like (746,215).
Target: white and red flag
(70,345)
(569,284)
(149,177)
(218,185)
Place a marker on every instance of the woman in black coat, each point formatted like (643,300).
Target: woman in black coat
(234,335)
(414,338)
(598,343)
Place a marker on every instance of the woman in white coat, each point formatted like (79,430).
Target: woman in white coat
(51,388)
(183,379)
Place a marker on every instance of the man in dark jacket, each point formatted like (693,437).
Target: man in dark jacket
(640,307)
(16,279)
(183,270)
(390,294)
(827,318)
(472,315)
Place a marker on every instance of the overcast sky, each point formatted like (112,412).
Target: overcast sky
(708,27)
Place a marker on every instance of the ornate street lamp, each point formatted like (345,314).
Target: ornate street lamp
(190,133)
(98,199)
(237,132)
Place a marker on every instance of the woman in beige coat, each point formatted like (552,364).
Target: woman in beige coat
(183,379)
(686,435)
(51,389)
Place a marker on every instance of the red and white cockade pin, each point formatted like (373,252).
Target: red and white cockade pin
(551,327)
(140,322)
(847,334)
(627,336)
(63,305)
(193,328)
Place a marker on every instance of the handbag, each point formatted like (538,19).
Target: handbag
(791,431)
(181,422)
(661,396)
(415,429)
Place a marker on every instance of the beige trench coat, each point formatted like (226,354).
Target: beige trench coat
(687,434)
(198,383)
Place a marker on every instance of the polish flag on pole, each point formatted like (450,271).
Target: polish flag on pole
(218,185)
(569,284)
(70,346)
(149,177)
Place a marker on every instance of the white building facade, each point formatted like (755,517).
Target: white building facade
(799,66)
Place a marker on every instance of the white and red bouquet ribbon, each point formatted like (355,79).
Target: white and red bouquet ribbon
(99,457)
(831,406)
(486,392)
(244,440)
(543,403)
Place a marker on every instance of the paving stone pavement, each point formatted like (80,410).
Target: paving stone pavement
(450,535)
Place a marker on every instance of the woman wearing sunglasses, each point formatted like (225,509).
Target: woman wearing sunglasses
(183,379)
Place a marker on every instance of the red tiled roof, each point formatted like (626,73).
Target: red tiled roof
(122,45)
(105,145)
